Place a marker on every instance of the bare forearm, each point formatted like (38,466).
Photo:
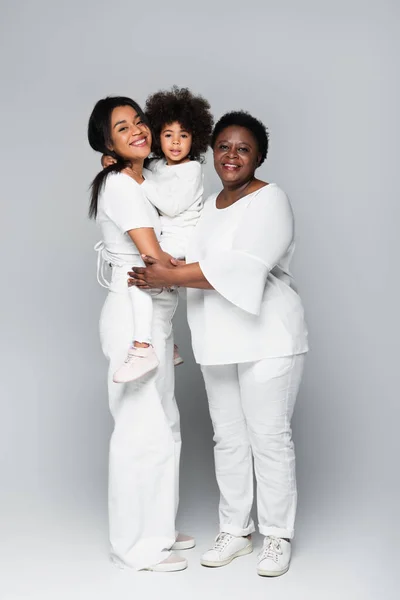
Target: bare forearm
(146,242)
(190,276)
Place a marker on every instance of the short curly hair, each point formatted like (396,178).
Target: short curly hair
(180,105)
(241,118)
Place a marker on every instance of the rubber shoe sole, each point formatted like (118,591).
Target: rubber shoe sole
(187,545)
(221,563)
(264,573)
(169,567)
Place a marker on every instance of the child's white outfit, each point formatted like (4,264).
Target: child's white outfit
(177,192)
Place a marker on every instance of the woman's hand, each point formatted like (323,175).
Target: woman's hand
(178,263)
(156,274)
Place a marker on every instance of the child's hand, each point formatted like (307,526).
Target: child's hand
(106,161)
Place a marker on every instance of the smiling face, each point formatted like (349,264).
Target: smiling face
(236,155)
(175,143)
(130,136)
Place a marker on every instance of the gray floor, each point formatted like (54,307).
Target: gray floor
(57,548)
(53,513)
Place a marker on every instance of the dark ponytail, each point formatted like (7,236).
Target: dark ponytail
(100,179)
(99,136)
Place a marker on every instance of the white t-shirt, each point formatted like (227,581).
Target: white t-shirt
(244,251)
(177,192)
(123,206)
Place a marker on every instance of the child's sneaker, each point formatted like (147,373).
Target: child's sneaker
(178,360)
(138,362)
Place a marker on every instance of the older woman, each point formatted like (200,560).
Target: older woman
(146,442)
(250,338)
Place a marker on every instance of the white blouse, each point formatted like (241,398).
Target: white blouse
(244,251)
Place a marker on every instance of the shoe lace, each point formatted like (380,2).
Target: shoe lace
(272,548)
(222,540)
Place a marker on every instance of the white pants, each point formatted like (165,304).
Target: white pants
(142,313)
(251,405)
(142,301)
(146,442)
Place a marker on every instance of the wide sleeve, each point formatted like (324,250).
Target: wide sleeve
(124,203)
(176,188)
(261,240)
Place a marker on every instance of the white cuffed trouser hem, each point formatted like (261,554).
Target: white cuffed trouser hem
(277,532)
(237,531)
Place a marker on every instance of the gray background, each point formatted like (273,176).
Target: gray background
(323,77)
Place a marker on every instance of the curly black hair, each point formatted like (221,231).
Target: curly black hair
(192,112)
(241,118)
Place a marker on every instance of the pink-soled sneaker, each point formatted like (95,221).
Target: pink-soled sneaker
(137,363)
(170,564)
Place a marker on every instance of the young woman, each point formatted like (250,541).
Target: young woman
(250,338)
(145,444)
(181,124)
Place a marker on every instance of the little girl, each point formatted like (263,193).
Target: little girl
(182,125)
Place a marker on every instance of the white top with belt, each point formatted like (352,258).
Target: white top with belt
(122,206)
(244,251)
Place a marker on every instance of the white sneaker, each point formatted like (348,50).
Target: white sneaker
(274,558)
(170,564)
(183,542)
(226,548)
(138,362)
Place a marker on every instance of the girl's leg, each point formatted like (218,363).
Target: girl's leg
(142,310)
(268,389)
(142,466)
(175,244)
(233,460)
(141,357)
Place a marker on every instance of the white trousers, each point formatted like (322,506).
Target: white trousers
(251,405)
(145,444)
